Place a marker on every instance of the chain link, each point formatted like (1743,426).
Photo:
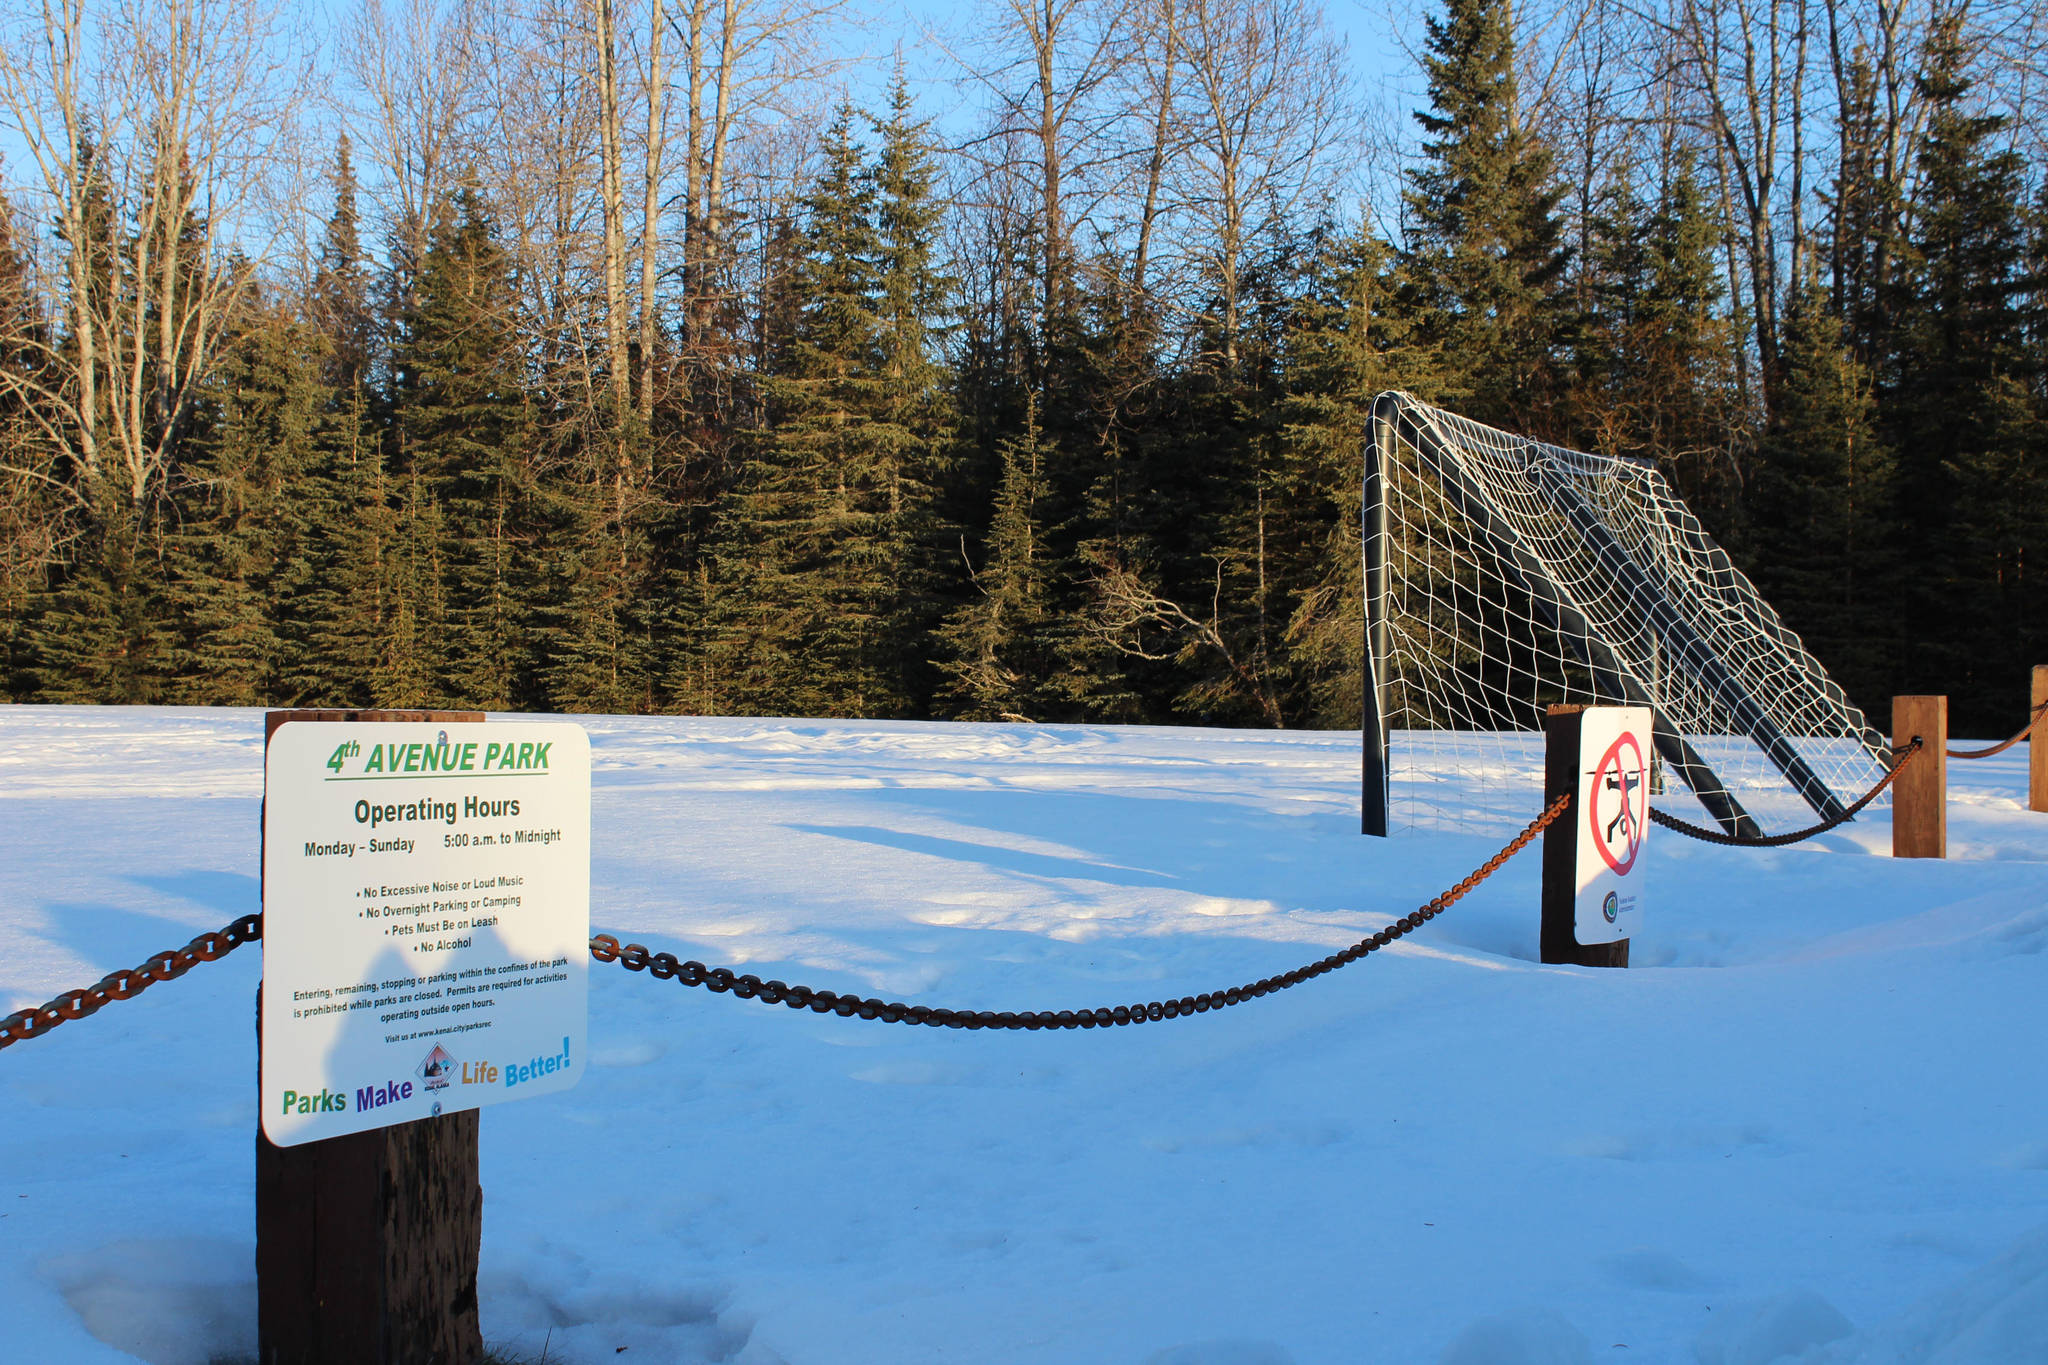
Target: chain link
(635,957)
(1997,749)
(1715,836)
(129,982)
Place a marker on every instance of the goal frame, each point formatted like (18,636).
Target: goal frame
(1398,416)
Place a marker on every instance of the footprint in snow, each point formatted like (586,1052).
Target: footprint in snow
(632,1052)
(1644,1268)
(915,1073)
(1222,1353)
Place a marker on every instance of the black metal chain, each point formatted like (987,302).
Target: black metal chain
(1715,836)
(130,982)
(173,963)
(634,958)
(209,947)
(1997,749)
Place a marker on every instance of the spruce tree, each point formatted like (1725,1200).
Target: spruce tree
(32,515)
(914,424)
(1486,253)
(589,628)
(1350,340)
(229,556)
(1656,353)
(102,635)
(412,645)
(1864,241)
(1822,529)
(799,585)
(339,584)
(339,300)
(1962,408)
(822,542)
(1226,542)
(462,427)
(1004,651)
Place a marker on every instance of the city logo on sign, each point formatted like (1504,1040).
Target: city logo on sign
(1617,823)
(1611,907)
(434,1070)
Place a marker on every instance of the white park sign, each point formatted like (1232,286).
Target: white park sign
(1613,808)
(426,922)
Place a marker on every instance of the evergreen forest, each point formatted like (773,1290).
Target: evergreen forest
(667,356)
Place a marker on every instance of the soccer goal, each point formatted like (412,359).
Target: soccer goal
(1503,575)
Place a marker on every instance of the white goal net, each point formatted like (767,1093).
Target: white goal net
(1503,575)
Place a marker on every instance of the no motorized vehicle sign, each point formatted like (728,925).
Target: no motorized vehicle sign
(1614,810)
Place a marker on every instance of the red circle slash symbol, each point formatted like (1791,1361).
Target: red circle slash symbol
(1627,778)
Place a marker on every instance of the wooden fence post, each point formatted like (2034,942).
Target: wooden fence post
(367,1245)
(2037,742)
(1559,938)
(1920,793)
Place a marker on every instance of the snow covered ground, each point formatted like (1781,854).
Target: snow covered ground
(1811,1125)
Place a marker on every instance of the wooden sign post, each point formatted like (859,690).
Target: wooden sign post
(1920,792)
(367,1244)
(2037,742)
(1592,870)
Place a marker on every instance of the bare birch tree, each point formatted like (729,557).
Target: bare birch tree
(1049,68)
(656,90)
(1743,67)
(1267,119)
(611,147)
(148,130)
(744,63)
(542,115)
(416,69)
(1157,102)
